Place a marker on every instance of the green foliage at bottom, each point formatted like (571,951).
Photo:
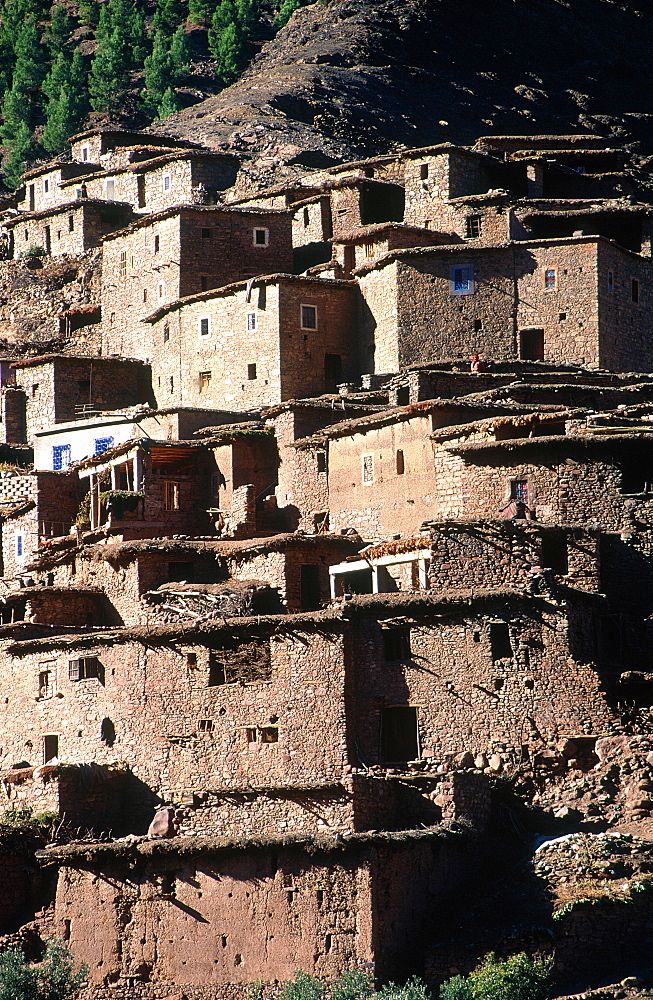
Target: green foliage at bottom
(518,978)
(54,978)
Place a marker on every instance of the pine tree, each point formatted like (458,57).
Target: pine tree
(31,67)
(158,73)
(57,33)
(247,16)
(229,54)
(169,105)
(77,86)
(22,151)
(179,53)
(88,13)
(168,16)
(110,64)
(287,9)
(200,11)
(16,113)
(59,122)
(58,77)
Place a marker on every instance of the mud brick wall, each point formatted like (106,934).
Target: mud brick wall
(391,502)
(57,501)
(624,324)
(449,175)
(288,362)
(311,221)
(76,228)
(83,796)
(13,418)
(283,570)
(175,730)
(324,913)
(245,460)
(71,608)
(468,701)
(302,489)
(197,250)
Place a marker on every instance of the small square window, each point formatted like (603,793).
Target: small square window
(205,726)
(251,321)
(205,381)
(562,317)
(250,734)
(461,281)
(204,326)
(251,372)
(269,734)
(207,234)
(396,644)
(610,281)
(478,325)
(367,469)
(519,490)
(634,290)
(424,171)
(261,237)
(550,279)
(309,317)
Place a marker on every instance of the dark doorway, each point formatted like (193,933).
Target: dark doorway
(500,645)
(309,582)
(332,371)
(554,552)
(399,740)
(531,345)
(50,747)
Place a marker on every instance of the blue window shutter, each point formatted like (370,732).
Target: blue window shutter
(103,444)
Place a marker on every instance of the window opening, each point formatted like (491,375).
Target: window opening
(461,280)
(205,726)
(399,734)
(71,224)
(403,395)
(50,747)
(634,290)
(204,326)
(166,182)
(250,734)
(204,283)
(473,227)
(306,217)
(170,495)
(123,263)
(166,333)
(156,244)
(251,321)
(321,461)
(46,681)
(549,279)
(110,189)
(531,345)
(60,457)
(251,372)
(610,281)
(309,317)
(217,672)
(519,490)
(102,444)
(309,585)
(269,734)
(554,552)
(423,171)
(207,234)
(85,668)
(261,237)
(396,644)
(400,464)
(205,381)
(367,468)
(500,646)
(181,571)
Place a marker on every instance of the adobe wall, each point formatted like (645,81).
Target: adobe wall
(74,229)
(449,175)
(85,796)
(57,499)
(466,701)
(377,319)
(324,913)
(390,502)
(625,325)
(157,697)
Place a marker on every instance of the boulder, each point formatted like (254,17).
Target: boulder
(163,823)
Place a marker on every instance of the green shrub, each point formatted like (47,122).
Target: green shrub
(456,989)
(414,989)
(302,987)
(54,978)
(518,978)
(353,985)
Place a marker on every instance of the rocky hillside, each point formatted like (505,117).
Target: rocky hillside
(349,78)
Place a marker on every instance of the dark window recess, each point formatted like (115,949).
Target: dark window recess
(251,372)
(321,461)
(473,227)
(500,646)
(478,325)
(178,571)
(207,234)
(217,672)
(358,582)
(531,345)
(396,644)
(205,726)
(634,287)
(554,552)
(403,396)
(157,244)
(423,171)
(140,184)
(102,444)
(84,668)
(400,463)
(635,477)
(399,741)
(269,734)
(50,747)
(166,334)
(332,371)
(309,582)
(204,283)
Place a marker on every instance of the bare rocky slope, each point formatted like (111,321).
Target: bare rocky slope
(351,78)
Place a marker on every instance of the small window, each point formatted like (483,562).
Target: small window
(309,317)
(84,153)
(611,281)
(251,372)
(166,333)
(250,734)
(172,383)
(554,552)
(369,249)
(550,279)
(110,188)
(519,490)
(167,184)
(161,289)
(205,726)
(403,395)
(20,546)
(78,192)
(399,460)
(473,227)
(217,672)
(367,469)
(46,185)
(71,223)
(170,496)
(102,444)
(145,295)
(424,171)
(251,321)
(61,457)
(261,237)
(204,283)
(634,290)
(396,644)
(123,263)
(269,734)
(207,234)
(191,659)
(321,461)
(204,326)
(157,244)
(46,680)
(205,381)
(85,668)
(500,645)
(478,325)
(306,217)
(562,317)
(461,282)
